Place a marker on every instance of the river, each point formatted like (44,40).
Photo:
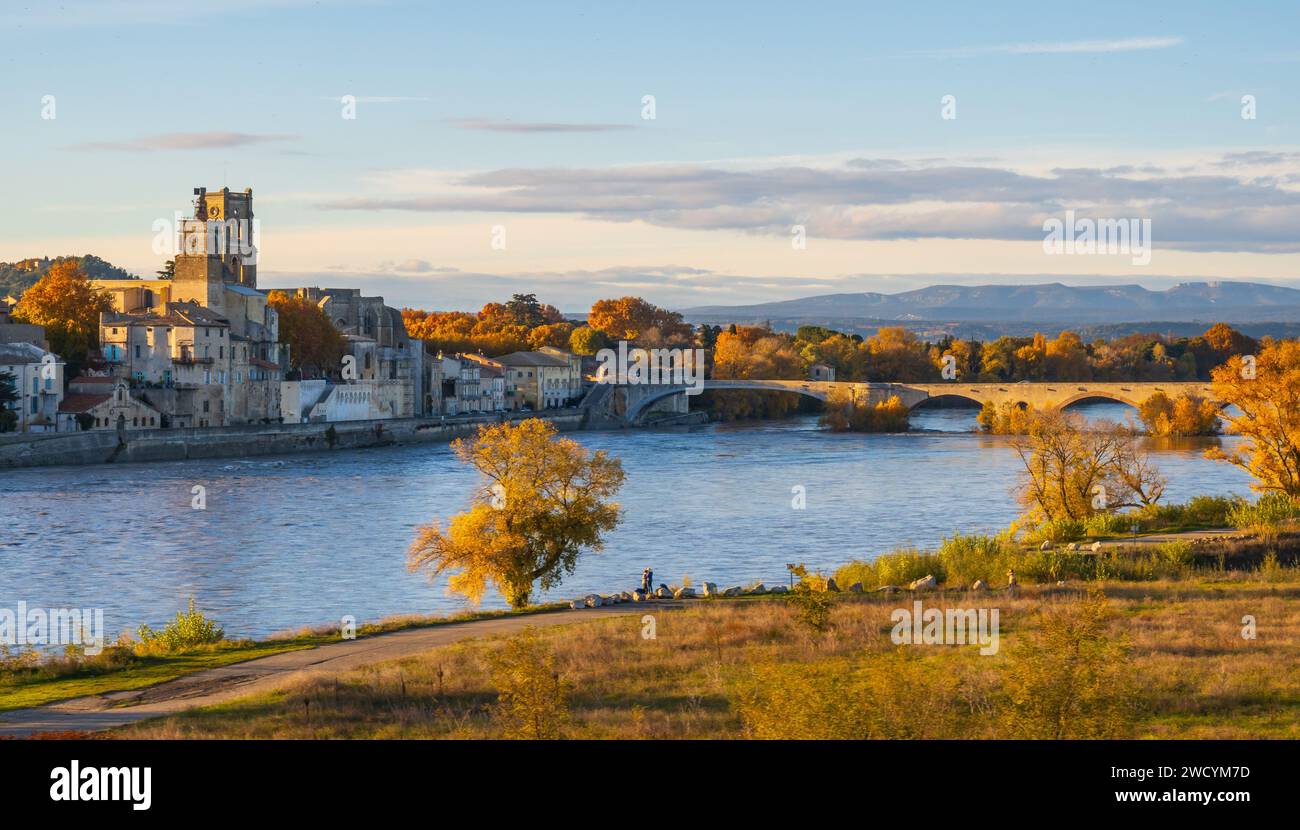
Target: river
(306,539)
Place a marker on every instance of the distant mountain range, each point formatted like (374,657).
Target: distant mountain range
(1040,304)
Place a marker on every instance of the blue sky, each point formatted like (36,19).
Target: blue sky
(527,119)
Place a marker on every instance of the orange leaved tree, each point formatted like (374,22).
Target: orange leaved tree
(543,500)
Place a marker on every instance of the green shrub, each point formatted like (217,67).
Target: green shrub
(532,698)
(1271,511)
(1177,556)
(1211,511)
(1107,524)
(895,568)
(189,630)
(968,558)
(810,598)
(1056,532)
(1071,679)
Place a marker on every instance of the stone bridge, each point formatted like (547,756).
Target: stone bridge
(631,403)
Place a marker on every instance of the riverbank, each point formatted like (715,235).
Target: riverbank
(1168,659)
(122,687)
(247,440)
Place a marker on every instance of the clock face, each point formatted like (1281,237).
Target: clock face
(214,212)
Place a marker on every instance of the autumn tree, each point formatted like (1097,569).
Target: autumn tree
(635,320)
(1072,469)
(1265,393)
(316,346)
(1187,414)
(897,355)
(543,500)
(846,412)
(66,304)
(588,341)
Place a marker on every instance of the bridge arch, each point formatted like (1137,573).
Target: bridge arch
(1097,395)
(945,400)
(648,395)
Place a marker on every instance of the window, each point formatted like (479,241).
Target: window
(137,350)
(205,406)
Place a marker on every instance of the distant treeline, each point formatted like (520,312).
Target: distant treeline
(17,277)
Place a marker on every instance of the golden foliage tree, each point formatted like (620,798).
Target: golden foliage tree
(636,320)
(1187,414)
(316,346)
(1266,396)
(543,501)
(1073,470)
(846,413)
(68,306)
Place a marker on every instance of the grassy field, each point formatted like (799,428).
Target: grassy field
(124,668)
(1158,659)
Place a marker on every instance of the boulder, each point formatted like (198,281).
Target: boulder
(777,589)
(662,592)
(1094,547)
(592,600)
(979,585)
(760,588)
(577,603)
(927,581)
(855,588)
(684,593)
(709,589)
(638,595)
(1072,547)
(830,584)
(1045,546)
(888,589)
(733,591)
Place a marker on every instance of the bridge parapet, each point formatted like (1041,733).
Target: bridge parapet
(633,400)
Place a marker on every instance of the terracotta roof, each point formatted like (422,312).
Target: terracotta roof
(81,402)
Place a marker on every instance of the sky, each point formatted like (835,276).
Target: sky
(694,154)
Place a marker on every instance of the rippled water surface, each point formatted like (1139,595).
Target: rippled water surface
(306,539)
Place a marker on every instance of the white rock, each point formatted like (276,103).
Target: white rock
(710,589)
(662,592)
(1045,546)
(1096,546)
(733,591)
(979,585)
(684,593)
(577,603)
(927,581)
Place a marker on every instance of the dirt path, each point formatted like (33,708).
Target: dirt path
(1161,538)
(265,674)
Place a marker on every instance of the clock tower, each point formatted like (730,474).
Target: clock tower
(217,245)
